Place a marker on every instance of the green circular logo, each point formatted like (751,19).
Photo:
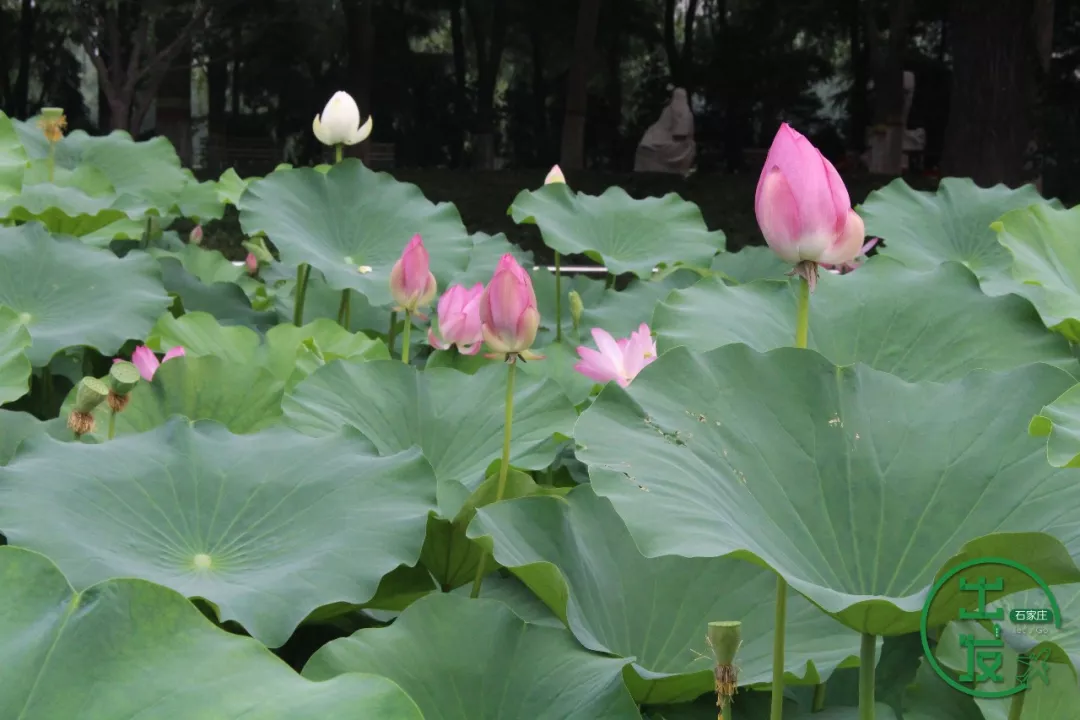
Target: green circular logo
(985,656)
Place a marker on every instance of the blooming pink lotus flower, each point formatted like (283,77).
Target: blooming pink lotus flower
(411,283)
(146,361)
(508,315)
(554,176)
(459,320)
(802,206)
(859,259)
(619,360)
(251,263)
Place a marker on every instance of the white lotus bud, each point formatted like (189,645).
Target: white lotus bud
(339,123)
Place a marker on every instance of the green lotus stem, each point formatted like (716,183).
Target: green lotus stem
(724,640)
(112,424)
(558,298)
(344,307)
(867,658)
(504,466)
(405,338)
(392,334)
(1016,705)
(301,290)
(818,702)
(339,152)
(802,317)
(776,702)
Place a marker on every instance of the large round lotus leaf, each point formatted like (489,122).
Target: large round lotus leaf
(231,186)
(131,650)
(1064,642)
(625,234)
(1055,699)
(578,557)
(457,419)
(349,219)
(267,527)
(15,427)
(243,398)
(1046,263)
(200,333)
(924,229)
(224,300)
(68,294)
(463,659)
(14,366)
(751,263)
(12,158)
(853,484)
(918,325)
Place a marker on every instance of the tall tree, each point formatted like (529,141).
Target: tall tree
(1001,55)
(572,154)
(887,65)
(489,39)
(681,61)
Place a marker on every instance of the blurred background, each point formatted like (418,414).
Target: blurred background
(474,100)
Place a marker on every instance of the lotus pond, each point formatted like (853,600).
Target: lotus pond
(285,520)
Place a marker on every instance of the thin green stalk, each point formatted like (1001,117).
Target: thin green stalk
(802,317)
(818,702)
(558,298)
(1016,705)
(301,290)
(504,466)
(405,338)
(867,657)
(344,307)
(776,704)
(112,424)
(392,334)
(339,152)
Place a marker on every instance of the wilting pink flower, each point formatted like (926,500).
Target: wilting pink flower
(147,363)
(619,360)
(555,175)
(459,319)
(196,235)
(508,315)
(251,263)
(411,283)
(802,206)
(859,259)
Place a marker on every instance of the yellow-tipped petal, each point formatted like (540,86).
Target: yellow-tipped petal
(361,133)
(320,134)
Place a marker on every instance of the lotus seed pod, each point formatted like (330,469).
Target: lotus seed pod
(91,393)
(123,377)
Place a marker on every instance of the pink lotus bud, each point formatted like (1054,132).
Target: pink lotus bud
(251,263)
(196,235)
(619,360)
(555,175)
(802,206)
(459,320)
(508,315)
(853,264)
(144,359)
(411,283)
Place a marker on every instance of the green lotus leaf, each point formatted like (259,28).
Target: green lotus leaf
(1046,264)
(15,367)
(924,229)
(625,234)
(13,158)
(210,266)
(267,527)
(323,302)
(68,294)
(63,210)
(751,263)
(226,301)
(1059,423)
(1063,641)
(456,419)
(351,217)
(916,324)
(126,649)
(578,557)
(18,426)
(484,256)
(201,201)
(464,659)
(231,186)
(847,502)
(511,592)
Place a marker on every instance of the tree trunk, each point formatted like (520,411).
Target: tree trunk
(1000,54)
(461,100)
(887,61)
(572,155)
(489,51)
(21,91)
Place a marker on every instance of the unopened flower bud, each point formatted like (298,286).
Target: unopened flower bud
(577,307)
(257,247)
(195,237)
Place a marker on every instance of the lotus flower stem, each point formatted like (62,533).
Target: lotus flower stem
(391,335)
(301,290)
(112,424)
(558,298)
(776,704)
(802,318)
(724,639)
(504,466)
(867,658)
(339,152)
(818,702)
(405,338)
(1016,706)
(344,308)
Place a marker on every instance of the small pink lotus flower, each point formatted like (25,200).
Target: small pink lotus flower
(555,175)
(859,259)
(411,283)
(619,360)
(508,315)
(146,361)
(802,206)
(251,263)
(459,320)
(195,237)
